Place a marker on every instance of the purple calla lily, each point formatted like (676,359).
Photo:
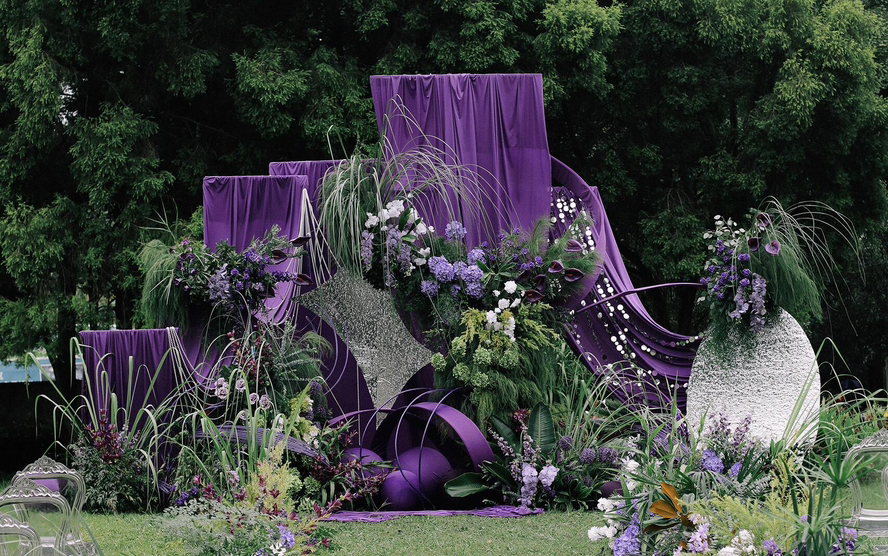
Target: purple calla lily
(532,296)
(573,274)
(764,220)
(773,248)
(556,267)
(299,241)
(303,280)
(278,256)
(540,280)
(524,276)
(753,243)
(574,246)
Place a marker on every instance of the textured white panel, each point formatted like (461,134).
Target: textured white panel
(763,378)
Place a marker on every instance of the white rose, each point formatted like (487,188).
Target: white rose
(496,293)
(503,304)
(491,317)
(510,286)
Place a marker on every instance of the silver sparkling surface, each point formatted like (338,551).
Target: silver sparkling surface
(764,380)
(366,319)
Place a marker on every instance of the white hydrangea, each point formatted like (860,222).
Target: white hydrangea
(606,505)
(603,532)
(510,286)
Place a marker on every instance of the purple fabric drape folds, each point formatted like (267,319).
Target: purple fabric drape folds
(109,351)
(241,208)
(313,170)
(492,124)
(663,357)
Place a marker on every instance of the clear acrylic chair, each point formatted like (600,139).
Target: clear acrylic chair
(17,538)
(46,512)
(47,472)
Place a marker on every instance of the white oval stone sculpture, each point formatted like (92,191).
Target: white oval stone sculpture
(764,378)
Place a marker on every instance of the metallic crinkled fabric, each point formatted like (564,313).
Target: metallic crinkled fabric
(763,380)
(366,319)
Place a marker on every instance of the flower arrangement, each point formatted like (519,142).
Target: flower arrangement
(780,259)
(234,282)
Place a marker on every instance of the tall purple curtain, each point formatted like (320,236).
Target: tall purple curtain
(662,358)
(241,208)
(493,125)
(109,351)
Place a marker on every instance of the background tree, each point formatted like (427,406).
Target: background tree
(677,109)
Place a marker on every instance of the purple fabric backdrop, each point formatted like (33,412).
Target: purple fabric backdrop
(377,517)
(110,351)
(241,208)
(492,124)
(664,357)
(313,170)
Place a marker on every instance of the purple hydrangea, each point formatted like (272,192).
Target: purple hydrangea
(735,469)
(429,287)
(476,256)
(629,543)
(529,479)
(442,269)
(455,231)
(711,462)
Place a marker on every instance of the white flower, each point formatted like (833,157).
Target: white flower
(630,465)
(395,208)
(606,505)
(221,382)
(421,229)
(240,385)
(412,216)
(744,538)
(497,310)
(729,551)
(419,261)
(510,286)
(548,474)
(383,215)
(254,397)
(222,392)
(516,302)
(503,304)
(491,317)
(497,326)
(603,532)
(431,229)
(425,252)
(372,220)
(630,485)
(496,293)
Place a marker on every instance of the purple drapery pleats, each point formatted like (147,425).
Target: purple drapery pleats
(664,357)
(493,125)
(110,351)
(313,170)
(242,208)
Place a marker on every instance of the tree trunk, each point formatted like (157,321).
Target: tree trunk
(59,351)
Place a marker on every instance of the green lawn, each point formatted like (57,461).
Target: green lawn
(556,533)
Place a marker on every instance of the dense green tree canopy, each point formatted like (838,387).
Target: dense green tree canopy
(677,109)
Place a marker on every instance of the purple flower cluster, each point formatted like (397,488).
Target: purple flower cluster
(444,271)
(847,542)
(455,231)
(771,548)
(711,462)
(699,539)
(367,249)
(629,543)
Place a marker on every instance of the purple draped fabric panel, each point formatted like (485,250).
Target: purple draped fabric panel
(109,351)
(242,208)
(313,170)
(239,209)
(663,358)
(494,125)
(377,517)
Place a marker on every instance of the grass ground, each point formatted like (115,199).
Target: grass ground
(548,534)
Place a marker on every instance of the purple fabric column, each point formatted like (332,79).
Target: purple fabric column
(491,124)
(663,357)
(241,208)
(110,351)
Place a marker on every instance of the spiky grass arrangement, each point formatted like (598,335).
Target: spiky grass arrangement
(419,173)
